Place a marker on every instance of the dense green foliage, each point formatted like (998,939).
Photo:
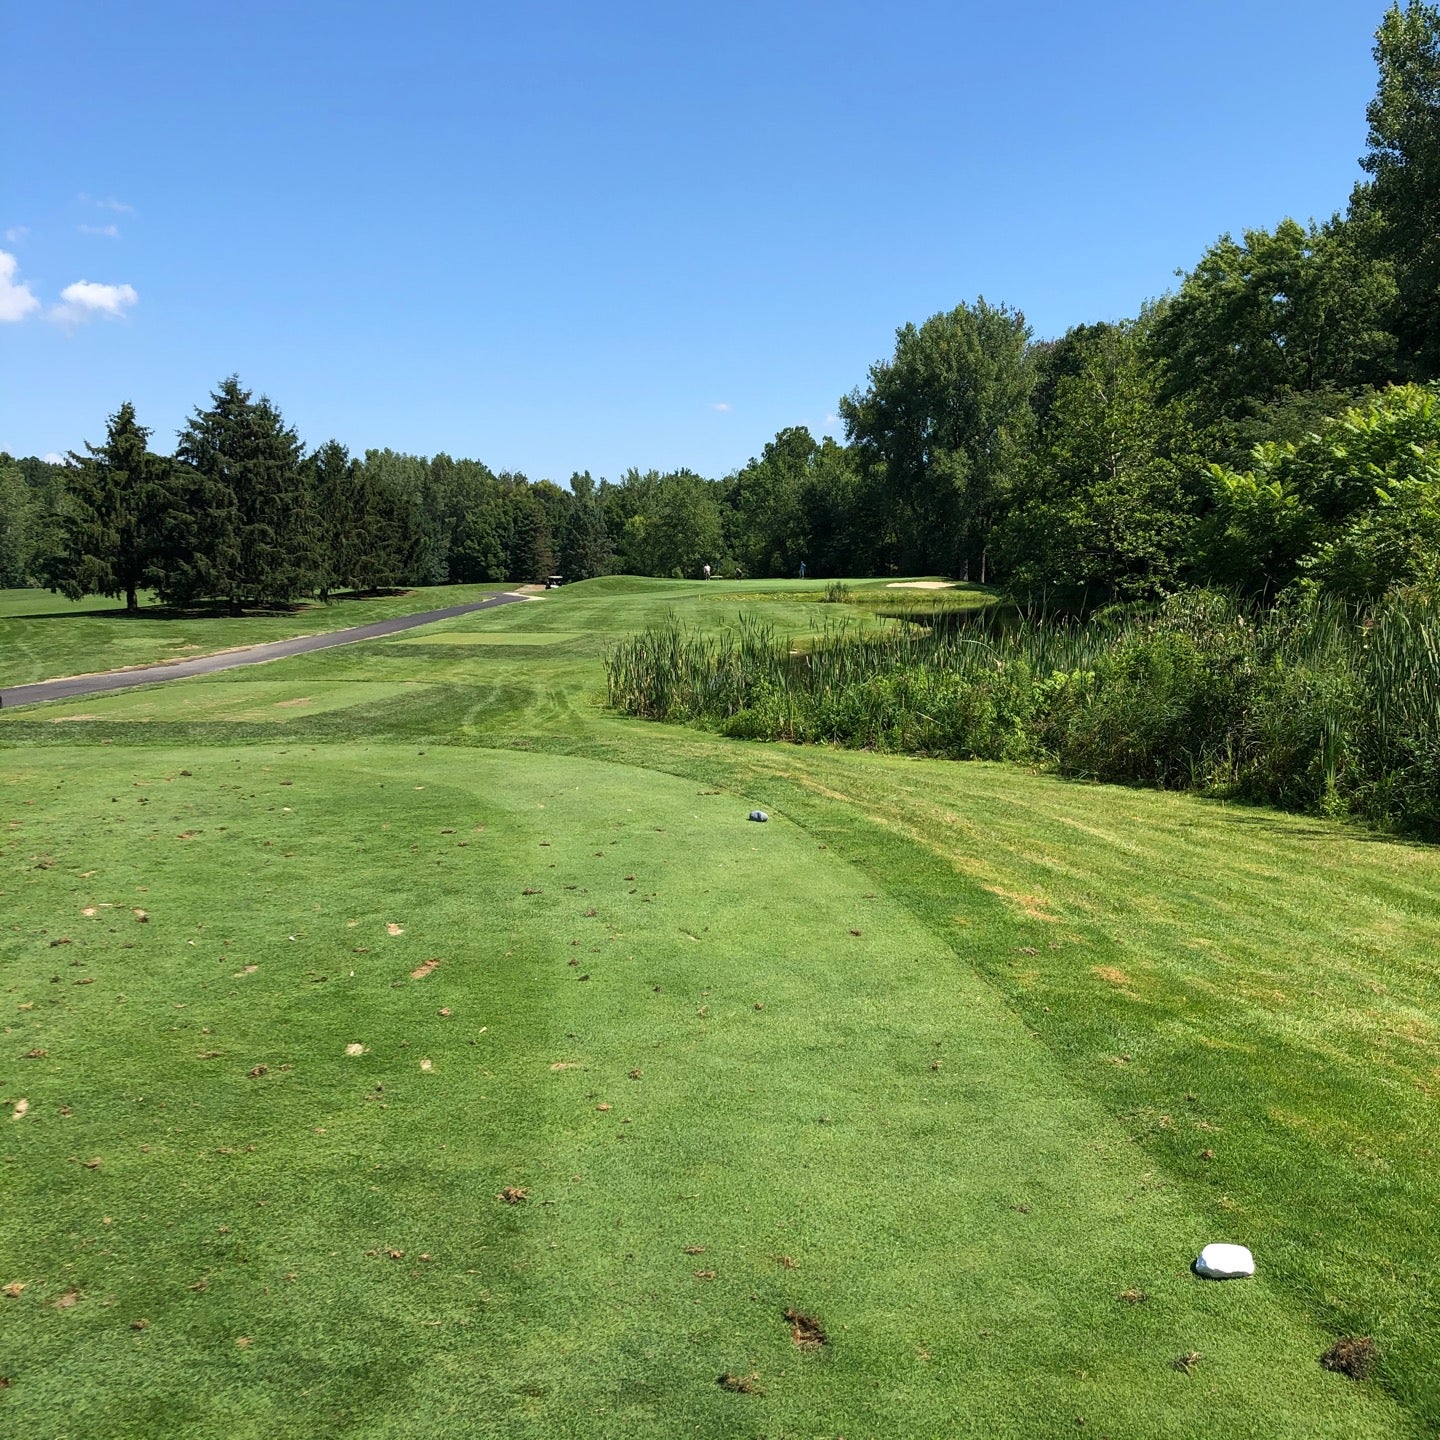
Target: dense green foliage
(110,534)
(1353,507)
(1311,707)
(1108,508)
(1401,202)
(32,493)
(943,427)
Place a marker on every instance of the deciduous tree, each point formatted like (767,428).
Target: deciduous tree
(1106,513)
(1403,160)
(1277,313)
(944,424)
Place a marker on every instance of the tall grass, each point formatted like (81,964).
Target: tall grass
(1311,706)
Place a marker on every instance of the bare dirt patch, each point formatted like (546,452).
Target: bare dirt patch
(741,1384)
(806,1331)
(290,704)
(421,971)
(1352,1355)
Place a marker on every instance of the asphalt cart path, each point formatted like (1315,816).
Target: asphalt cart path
(76,685)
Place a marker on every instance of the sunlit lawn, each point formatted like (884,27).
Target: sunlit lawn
(956,1060)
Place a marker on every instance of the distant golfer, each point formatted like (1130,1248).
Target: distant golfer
(802,569)
(705,571)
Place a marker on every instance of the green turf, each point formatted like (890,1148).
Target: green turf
(43,636)
(1157,1021)
(487,637)
(239,700)
(17,603)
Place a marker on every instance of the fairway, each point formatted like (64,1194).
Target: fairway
(298,993)
(232,701)
(490,637)
(44,636)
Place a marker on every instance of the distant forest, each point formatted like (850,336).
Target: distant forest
(1272,423)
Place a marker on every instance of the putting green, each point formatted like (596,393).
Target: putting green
(344,998)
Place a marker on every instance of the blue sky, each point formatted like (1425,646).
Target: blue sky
(559,236)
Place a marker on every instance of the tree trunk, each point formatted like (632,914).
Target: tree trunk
(132,600)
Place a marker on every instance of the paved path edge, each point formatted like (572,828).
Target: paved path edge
(74,686)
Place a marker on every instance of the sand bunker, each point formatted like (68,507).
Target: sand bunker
(920,585)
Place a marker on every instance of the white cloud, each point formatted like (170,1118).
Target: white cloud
(119,206)
(17,300)
(82,301)
(17,232)
(723,406)
(54,457)
(86,299)
(113,231)
(831,421)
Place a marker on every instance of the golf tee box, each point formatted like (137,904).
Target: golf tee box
(1225,1262)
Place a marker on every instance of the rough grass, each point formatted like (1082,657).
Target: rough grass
(1113,982)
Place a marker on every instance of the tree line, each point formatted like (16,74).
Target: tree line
(1270,423)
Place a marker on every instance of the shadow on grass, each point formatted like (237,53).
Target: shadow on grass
(213,609)
(1260,816)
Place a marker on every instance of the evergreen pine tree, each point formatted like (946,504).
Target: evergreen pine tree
(17,525)
(254,546)
(113,515)
(585,549)
(340,517)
